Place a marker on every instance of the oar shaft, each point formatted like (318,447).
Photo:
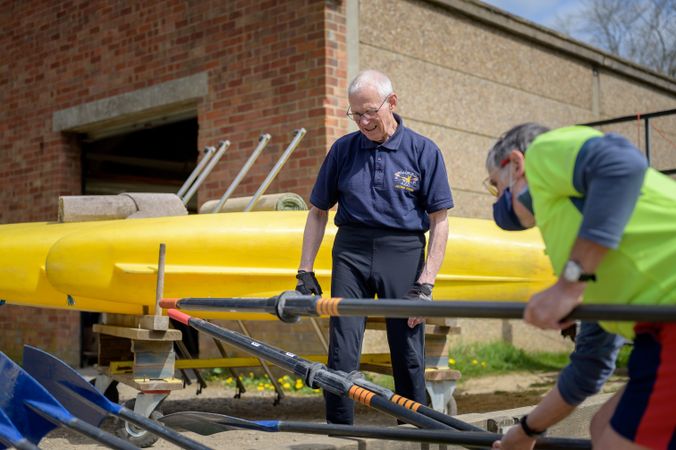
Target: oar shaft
(161,431)
(308,305)
(311,373)
(464,438)
(24,444)
(59,416)
(98,435)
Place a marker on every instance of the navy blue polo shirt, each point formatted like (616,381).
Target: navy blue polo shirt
(390,185)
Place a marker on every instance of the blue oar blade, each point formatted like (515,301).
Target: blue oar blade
(9,435)
(15,387)
(206,424)
(84,401)
(58,414)
(75,393)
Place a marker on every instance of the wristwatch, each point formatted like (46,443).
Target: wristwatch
(528,430)
(573,272)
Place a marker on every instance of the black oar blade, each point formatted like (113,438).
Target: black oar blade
(206,423)
(15,387)
(67,386)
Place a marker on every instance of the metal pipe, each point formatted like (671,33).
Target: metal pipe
(205,173)
(262,143)
(647,138)
(275,170)
(208,153)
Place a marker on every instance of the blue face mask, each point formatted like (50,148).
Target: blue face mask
(526,200)
(503,213)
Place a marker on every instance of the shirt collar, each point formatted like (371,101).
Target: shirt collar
(392,143)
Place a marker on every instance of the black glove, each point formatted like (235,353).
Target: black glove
(420,291)
(307,283)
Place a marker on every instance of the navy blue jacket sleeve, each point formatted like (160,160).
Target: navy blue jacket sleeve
(591,363)
(325,191)
(609,172)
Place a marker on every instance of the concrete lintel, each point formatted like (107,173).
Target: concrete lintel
(172,97)
(500,19)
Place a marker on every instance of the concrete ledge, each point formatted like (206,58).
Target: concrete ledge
(173,98)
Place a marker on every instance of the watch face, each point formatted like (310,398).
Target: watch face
(572,271)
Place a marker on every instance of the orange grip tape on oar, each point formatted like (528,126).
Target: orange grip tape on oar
(328,306)
(169,303)
(405,402)
(360,395)
(180,316)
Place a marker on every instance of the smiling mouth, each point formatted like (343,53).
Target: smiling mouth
(374,127)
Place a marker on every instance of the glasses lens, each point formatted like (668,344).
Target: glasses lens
(491,188)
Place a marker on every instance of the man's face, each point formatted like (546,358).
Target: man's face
(372,113)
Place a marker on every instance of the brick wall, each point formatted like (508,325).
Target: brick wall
(272,67)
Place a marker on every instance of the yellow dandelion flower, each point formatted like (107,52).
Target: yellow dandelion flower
(286,386)
(261,388)
(451,361)
(475,362)
(483,364)
(229,380)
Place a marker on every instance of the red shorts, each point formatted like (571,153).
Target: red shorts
(646,413)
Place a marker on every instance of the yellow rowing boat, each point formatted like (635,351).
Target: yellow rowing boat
(111,266)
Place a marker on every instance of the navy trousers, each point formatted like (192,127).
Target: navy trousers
(368,263)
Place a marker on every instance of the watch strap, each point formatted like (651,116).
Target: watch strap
(528,430)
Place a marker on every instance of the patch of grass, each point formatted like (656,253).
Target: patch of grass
(494,358)
(256,383)
(473,360)
(479,359)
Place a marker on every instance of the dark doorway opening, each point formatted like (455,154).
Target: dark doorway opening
(152,159)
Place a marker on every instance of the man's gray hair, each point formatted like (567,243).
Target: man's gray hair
(519,137)
(371,78)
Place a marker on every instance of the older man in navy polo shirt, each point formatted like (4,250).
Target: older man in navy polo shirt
(391,187)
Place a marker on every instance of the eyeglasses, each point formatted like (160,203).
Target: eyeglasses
(369,113)
(488,185)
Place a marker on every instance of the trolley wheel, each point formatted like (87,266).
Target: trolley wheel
(111,393)
(137,436)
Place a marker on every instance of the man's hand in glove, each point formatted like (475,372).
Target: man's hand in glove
(419,291)
(307,283)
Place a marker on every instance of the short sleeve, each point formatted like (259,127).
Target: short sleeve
(325,191)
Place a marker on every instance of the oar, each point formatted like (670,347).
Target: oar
(11,437)
(84,401)
(210,423)
(34,412)
(316,375)
(290,305)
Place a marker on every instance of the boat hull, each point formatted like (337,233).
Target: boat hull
(112,266)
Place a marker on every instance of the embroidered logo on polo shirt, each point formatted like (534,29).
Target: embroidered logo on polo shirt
(406,180)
